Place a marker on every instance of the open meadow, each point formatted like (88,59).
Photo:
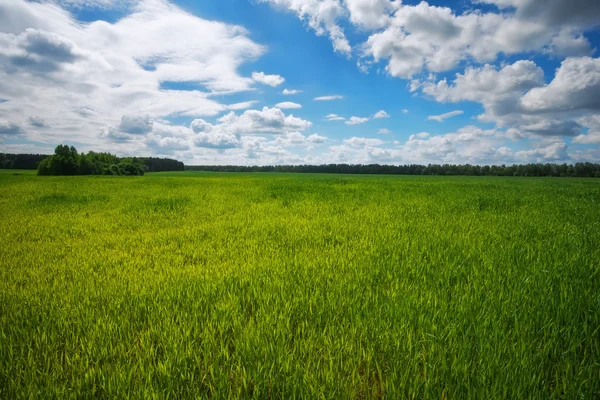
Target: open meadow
(179,285)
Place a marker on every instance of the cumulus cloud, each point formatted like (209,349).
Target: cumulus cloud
(37,51)
(553,152)
(289,92)
(322,16)
(427,37)
(592,123)
(356,120)
(114,135)
(487,84)
(334,117)
(371,14)
(362,142)
(270,80)
(136,125)
(288,105)
(232,130)
(568,43)
(298,139)
(217,140)
(381,114)
(328,98)
(384,131)
(515,96)
(316,138)
(9,128)
(378,155)
(167,145)
(267,120)
(201,126)
(37,122)
(590,138)
(442,117)
(576,85)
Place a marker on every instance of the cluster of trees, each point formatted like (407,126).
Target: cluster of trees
(67,161)
(91,163)
(574,170)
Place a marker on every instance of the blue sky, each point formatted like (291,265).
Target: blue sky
(482,82)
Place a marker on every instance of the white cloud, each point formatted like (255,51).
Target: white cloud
(217,140)
(288,105)
(9,128)
(592,122)
(137,125)
(371,14)
(426,37)
(404,111)
(442,117)
(322,16)
(516,97)
(232,130)
(334,117)
(384,131)
(576,85)
(381,114)
(553,152)
(200,126)
(590,138)
(362,142)
(37,122)
(328,98)
(291,139)
(487,84)
(241,106)
(469,144)
(270,80)
(356,120)
(316,138)
(296,139)
(378,155)
(569,44)
(167,145)
(267,120)
(289,92)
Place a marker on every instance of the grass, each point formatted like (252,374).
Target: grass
(299,286)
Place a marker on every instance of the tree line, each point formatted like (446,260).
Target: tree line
(21,161)
(559,170)
(91,163)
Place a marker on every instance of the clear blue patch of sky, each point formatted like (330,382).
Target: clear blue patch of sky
(91,13)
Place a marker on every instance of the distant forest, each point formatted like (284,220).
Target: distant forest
(587,170)
(153,164)
(32,161)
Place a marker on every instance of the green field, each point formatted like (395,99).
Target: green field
(273,286)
